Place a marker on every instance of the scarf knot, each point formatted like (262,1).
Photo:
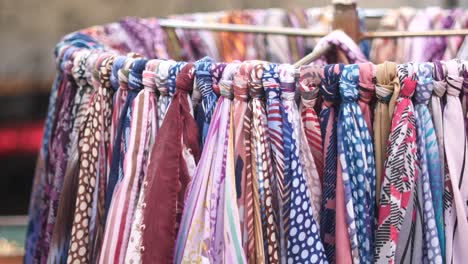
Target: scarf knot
(349,82)
(271,82)
(225,84)
(331,84)
(408,87)
(135,78)
(184,80)
(79,69)
(203,76)
(286,77)
(118,64)
(240,82)
(255,81)
(310,78)
(216,73)
(124,72)
(173,74)
(425,83)
(162,75)
(149,75)
(453,79)
(366,82)
(67,60)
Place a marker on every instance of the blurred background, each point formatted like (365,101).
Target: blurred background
(29,31)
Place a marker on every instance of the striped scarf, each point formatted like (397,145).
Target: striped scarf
(328,115)
(240,105)
(309,81)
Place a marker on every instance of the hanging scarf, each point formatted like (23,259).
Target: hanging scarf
(149,117)
(118,113)
(232,237)
(209,98)
(240,104)
(428,156)
(56,162)
(311,175)
(358,168)
(251,121)
(203,241)
(436,106)
(62,229)
(387,88)
(116,173)
(396,197)
(328,115)
(161,83)
(270,81)
(37,204)
(456,187)
(302,232)
(93,162)
(122,205)
(167,181)
(309,81)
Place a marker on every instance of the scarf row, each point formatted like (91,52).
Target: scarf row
(158,161)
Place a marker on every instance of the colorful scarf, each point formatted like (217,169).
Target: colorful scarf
(400,176)
(209,98)
(93,161)
(330,93)
(161,83)
(356,156)
(387,88)
(309,81)
(432,180)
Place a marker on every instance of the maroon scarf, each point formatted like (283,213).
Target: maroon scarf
(168,175)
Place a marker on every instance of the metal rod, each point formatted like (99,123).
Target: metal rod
(288,31)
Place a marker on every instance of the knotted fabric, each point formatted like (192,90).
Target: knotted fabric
(436,106)
(456,185)
(212,192)
(356,156)
(93,144)
(428,156)
(62,230)
(301,223)
(216,73)
(177,142)
(387,88)
(37,203)
(146,113)
(332,171)
(209,98)
(161,83)
(268,198)
(400,175)
(116,173)
(55,165)
(123,200)
(240,104)
(309,82)
(171,79)
(258,96)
